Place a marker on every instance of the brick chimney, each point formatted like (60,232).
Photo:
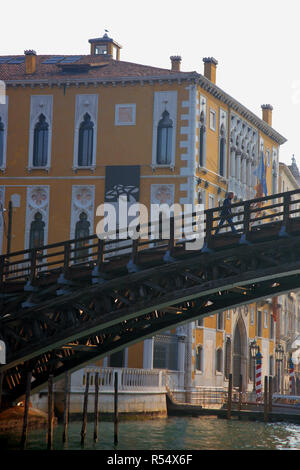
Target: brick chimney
(210,68)
(30,61)
(267,113)
(175,61)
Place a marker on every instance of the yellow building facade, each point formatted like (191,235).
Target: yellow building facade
(75,128)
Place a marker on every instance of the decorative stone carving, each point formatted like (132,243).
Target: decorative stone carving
(82,201)
(162,194)
(37,200)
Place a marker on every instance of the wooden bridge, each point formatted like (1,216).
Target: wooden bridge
(70,303)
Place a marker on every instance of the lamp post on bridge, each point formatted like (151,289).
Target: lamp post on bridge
(254,348)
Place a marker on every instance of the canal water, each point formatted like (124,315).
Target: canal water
(173,433)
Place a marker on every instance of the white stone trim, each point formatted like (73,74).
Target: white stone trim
(132,106)
(37,200)
(83,200)
(40,104)
(86,103)
(164,100)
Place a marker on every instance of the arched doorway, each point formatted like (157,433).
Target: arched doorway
(239,364)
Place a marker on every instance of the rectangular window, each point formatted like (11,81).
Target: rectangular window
(266,313)
(252,316)
(259,323)
(200,322)
(212,120)
(220,321)
(271,327)
(125,114)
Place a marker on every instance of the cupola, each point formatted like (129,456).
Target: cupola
(105,46)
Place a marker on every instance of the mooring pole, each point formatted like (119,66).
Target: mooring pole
(270,393)
(96,406)
(85,406)
(266,399)
(66,406)
(229,398)
(1,385)
(26,410)
(116,413)
(50,412)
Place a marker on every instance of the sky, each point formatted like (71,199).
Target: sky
(255,43)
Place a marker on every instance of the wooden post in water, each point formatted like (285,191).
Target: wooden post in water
(270,393)
(116,413)
(96,406)
(85,405)
(229,399)
(26,409)
(50,412)
(66,406)
(240,394)
(1,385)
(266,399)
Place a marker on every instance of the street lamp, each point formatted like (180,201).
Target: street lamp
(254,348)
(279,353)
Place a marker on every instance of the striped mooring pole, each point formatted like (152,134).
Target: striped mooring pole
(258,376)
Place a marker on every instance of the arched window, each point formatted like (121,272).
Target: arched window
(222,167)
(40,142)
(227,358)
(1,142)
(199,359)
(37,229)
(82,230)
(85,142)
(219,360)
(164,139)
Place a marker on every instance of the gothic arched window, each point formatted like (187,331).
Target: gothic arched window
(1,142)
(82,230)
(40,142)
(164,139)
(37,229)
(219,360)
(85,141)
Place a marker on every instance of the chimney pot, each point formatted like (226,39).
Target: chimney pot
(30,61)
(175,61)
(267,113)
(210,68)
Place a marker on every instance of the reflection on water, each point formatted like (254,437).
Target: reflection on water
(201,433)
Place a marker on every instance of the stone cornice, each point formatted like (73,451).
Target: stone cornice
(180,77)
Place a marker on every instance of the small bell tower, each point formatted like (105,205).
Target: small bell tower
(106,47)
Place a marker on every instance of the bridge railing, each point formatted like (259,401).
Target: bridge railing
(249,217)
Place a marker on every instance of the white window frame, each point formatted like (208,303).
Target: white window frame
(266,313)
(164,100)
(212,123)
(132,106)
(40,104)
(86,103)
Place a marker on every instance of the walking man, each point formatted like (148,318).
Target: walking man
(226,214)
